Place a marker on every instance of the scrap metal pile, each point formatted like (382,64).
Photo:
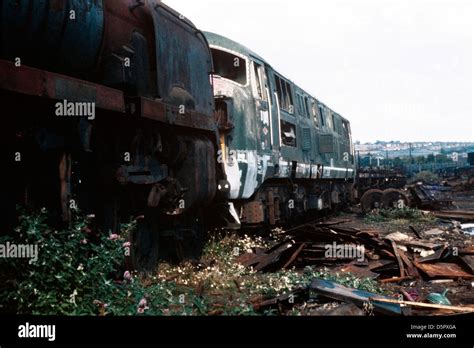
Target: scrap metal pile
(395,258)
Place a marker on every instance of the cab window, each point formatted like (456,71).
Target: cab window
(285,95)
(259,81)
(229,66)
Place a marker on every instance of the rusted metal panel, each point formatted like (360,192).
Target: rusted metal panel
(35,82)
(161,112)
(253,212)
(183,61)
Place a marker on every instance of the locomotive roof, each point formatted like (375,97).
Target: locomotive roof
(222,41)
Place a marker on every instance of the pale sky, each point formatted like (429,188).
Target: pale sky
(397,69)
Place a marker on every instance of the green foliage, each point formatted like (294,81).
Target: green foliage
(73,268)
(402,215)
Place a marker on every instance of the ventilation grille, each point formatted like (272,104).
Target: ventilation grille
(306,139)
(326,143)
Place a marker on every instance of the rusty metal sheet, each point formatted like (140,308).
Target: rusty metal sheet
(162,112)
(447,270)
(35,82)
(183,77)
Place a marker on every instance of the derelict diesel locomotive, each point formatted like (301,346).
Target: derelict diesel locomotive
(188,127)
(284,151)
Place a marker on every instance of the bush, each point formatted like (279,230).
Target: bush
(74,268)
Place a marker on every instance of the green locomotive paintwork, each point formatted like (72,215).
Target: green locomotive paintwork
(279,130)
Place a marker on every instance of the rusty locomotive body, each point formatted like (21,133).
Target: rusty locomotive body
(162,142)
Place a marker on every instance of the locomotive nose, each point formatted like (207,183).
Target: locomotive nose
(58,35)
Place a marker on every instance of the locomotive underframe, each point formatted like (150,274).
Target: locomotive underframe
(286,200)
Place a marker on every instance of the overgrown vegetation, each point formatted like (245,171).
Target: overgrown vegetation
(81,273)
(393,220)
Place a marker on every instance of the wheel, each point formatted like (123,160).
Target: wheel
(393,198)
(371,199)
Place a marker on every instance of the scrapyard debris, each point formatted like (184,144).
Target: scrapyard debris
(412,261)
(319,243)
(394,258)
(398,260)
